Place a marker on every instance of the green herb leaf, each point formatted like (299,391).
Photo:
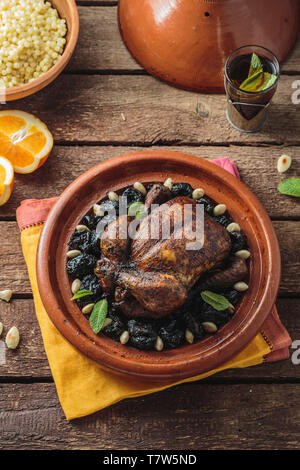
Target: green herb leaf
(255,65)
(268,81)
(137,210)
(217,301)
(290,186)
(253,82)
(81,293)
(98,315)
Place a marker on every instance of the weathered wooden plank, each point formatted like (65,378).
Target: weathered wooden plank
(257,166)
(29,360)
(251,416)
(13,274)
(144,111)
(100,46)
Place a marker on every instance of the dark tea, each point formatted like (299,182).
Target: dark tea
(251,76)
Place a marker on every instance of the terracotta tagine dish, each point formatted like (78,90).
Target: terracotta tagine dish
(186,42)
(110,178)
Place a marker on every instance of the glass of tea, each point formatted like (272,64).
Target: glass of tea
(251,79)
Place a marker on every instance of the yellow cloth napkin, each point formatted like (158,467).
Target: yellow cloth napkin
(83,386)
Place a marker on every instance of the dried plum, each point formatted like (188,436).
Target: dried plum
(193,323)
(81,265)
(223,220)
(91,221)
(92,283)
(87,242)
(132,196)
(116,327)
(209,314)
(182,189)
(233,296)
(110,207)
(238,241)
(207,203)
(142,334)
(171,334)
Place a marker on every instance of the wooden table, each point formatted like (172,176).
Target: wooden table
(106,105)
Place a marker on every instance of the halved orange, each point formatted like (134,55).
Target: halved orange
(24,140)
(6,180)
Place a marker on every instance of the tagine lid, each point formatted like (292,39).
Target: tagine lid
(186,42)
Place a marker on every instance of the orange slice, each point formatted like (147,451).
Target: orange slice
(6,180)
(24,140)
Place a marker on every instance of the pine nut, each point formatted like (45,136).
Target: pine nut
(220,209)
(6,295)
(159,345)
(140,187)
(244,254)
(210,327)
(12,338)
(112,196)
(124,338)
(107,322)
(198,193)
(240,286)
(73,253)
(189,336)
(87,309)
(98,211)
(284,163)
(1,328)
(76,286)
(231,309)
(233,227)
(169,183)
(82,228)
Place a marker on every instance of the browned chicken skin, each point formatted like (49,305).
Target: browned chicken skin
(158,272)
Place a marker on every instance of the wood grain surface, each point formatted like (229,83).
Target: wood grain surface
(102,106)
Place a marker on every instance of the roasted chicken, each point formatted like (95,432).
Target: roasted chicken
(152,275)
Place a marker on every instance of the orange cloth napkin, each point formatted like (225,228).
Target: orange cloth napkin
(83,386)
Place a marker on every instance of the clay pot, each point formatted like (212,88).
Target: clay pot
(68,10)
(149,166)
(186,42)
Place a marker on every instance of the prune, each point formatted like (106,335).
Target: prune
(233,296)
(116,327)
(142,334)
(223,220)
(81,265)
(110,207)
(92,283)
(182,189)
(171,334)
(208,204)
(91,221)
(132,196)
(238,241)
(193,323)
(87,242)
(209,314)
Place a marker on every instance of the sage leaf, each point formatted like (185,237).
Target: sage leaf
(217,301)
(82,293)
(98,315)
(255,65)
(290,187)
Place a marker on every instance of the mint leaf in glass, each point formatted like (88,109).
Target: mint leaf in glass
(255,65)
